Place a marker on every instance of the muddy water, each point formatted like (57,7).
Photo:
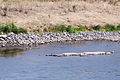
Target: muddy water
(27,64)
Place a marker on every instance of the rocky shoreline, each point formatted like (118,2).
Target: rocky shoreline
(18,40)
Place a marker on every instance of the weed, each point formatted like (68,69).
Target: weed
(109,28)
(118,28)
(7,28)
(22,30)
(97,28)
(60,28)
(70,29)
(82,28)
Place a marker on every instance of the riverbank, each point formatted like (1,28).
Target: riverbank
(17,40)
(35,15)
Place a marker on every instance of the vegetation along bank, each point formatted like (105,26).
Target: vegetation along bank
(14,36)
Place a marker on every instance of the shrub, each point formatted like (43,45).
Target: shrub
(22,30)
(118,28)
(13,28)
(4,28)
(109,27)
(81,28)
(97,28)
(7,28)
(60,28)
(69,29)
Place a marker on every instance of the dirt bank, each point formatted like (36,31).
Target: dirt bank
(41,15)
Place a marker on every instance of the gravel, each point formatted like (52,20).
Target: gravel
(17,40)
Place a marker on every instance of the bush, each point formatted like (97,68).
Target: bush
(69,29)
(7,28)
(22,30)
(13,28)
(81,28)
(60,28)
(97,28)
(1,28)
(118,28)
(109,27)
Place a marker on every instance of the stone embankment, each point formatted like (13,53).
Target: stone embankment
(12,40)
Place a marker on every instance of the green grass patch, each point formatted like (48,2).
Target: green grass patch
(59,28)
(109,28)
(96,28)
(106,28)
(118,28)
(7,28)
(70,29)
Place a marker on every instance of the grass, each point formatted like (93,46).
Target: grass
(118,28)
(64,0)
(60,28)
(96,28)
(109,1)
(107,28)
(7,28)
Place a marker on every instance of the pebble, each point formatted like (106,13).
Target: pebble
(15,40)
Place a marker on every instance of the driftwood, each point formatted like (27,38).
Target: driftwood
(80,54)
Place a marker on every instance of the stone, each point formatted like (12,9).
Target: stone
(80,54)
(3,36)
(26,39)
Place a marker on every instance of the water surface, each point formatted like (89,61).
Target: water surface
(28,65)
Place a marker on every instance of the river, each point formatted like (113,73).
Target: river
(27,64)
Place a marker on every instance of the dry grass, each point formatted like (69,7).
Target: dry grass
(53,0)
(35,14)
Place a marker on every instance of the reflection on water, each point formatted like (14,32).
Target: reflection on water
(11,52)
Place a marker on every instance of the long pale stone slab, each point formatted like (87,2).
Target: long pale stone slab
(80,54)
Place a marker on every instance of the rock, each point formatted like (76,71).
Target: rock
(80,54)
(1,39)
(3,13)
(3,36)
(28,39)
(3,45)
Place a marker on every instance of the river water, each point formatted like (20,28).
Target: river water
(27,64)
